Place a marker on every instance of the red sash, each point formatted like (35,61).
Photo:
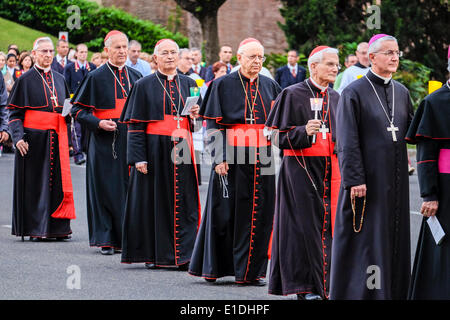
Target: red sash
(54,121)
(110,113)
(246,135)
(169,127)
(324,148)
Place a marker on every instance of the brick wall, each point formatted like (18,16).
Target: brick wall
(238,19)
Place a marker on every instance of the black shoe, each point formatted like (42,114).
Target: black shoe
(183,267)
(256,283)
(210,280)
(312,296)
(150,265)
(80,161)
(63,238)
(107,251)
(117,250)
(35,239)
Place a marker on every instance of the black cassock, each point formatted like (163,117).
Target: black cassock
(430,130)
(38,178)
(302,234)
(235,231)
(102,95)
(163,206)
(374,263)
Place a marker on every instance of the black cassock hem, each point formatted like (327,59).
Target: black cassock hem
(158,264)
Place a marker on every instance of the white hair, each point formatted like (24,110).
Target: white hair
(448,65)
(242,49)
(156,51)
(38,42)
(375,46)
(109,40)
(318,57)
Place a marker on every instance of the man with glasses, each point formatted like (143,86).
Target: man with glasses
(43,195)
(163,203)
(185,62)
(234,235)
(97,105)
(371,255)
(357,70)
(308,183)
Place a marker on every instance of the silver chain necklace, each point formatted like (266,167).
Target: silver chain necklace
(128,78)
(178,118)
(251,106)
(392,128)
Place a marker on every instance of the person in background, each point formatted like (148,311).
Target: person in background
(60,60)
(291,73)
(133,61)
(3,67)
(349,61)
(197,66)
(96,59)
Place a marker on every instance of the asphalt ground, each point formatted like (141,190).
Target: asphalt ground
(72,270)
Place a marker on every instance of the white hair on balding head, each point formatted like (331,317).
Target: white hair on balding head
(157,46)
(38,42)
(109,40)
(448,65)
(242,49)
(318,57)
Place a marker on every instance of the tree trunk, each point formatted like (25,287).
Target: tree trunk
(210,37)
(195,33)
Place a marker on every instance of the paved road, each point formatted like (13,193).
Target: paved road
(39,270)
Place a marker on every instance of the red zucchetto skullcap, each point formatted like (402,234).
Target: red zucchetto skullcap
(247,41)
(317,50)
(111,33)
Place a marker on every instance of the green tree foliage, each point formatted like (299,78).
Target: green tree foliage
(51,16)
(421,27)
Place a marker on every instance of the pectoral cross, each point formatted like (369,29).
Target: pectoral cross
(250,119)
(324,131)
(55,100)
(392,129)
(178,119)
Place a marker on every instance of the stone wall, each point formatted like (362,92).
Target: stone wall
(238,19)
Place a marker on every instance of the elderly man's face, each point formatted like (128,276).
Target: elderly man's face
(133,52)
(44,54)
(386,60)
(327,69)
(185,62)
(167,57)
(225,54)
(362,55)
(118,49)
(251,60)
(197,56)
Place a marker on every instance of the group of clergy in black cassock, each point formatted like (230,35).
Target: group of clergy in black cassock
(335,227)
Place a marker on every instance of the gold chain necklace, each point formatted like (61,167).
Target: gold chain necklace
(251,106)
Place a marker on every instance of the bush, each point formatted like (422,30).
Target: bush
(51,16)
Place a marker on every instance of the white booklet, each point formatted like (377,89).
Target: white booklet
(436,229)
(190,102)
(66,108)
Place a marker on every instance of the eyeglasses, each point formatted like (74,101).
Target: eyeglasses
(390,53)
(254,57)
(166,53)
(333,65)
(46,51)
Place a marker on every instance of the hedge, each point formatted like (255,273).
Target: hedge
(51,16)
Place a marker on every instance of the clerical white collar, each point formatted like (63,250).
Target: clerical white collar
(118,67)
(42,68)
(170,77)
(322,88)
(386,80)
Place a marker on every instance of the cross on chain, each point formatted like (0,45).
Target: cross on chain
(392,129)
